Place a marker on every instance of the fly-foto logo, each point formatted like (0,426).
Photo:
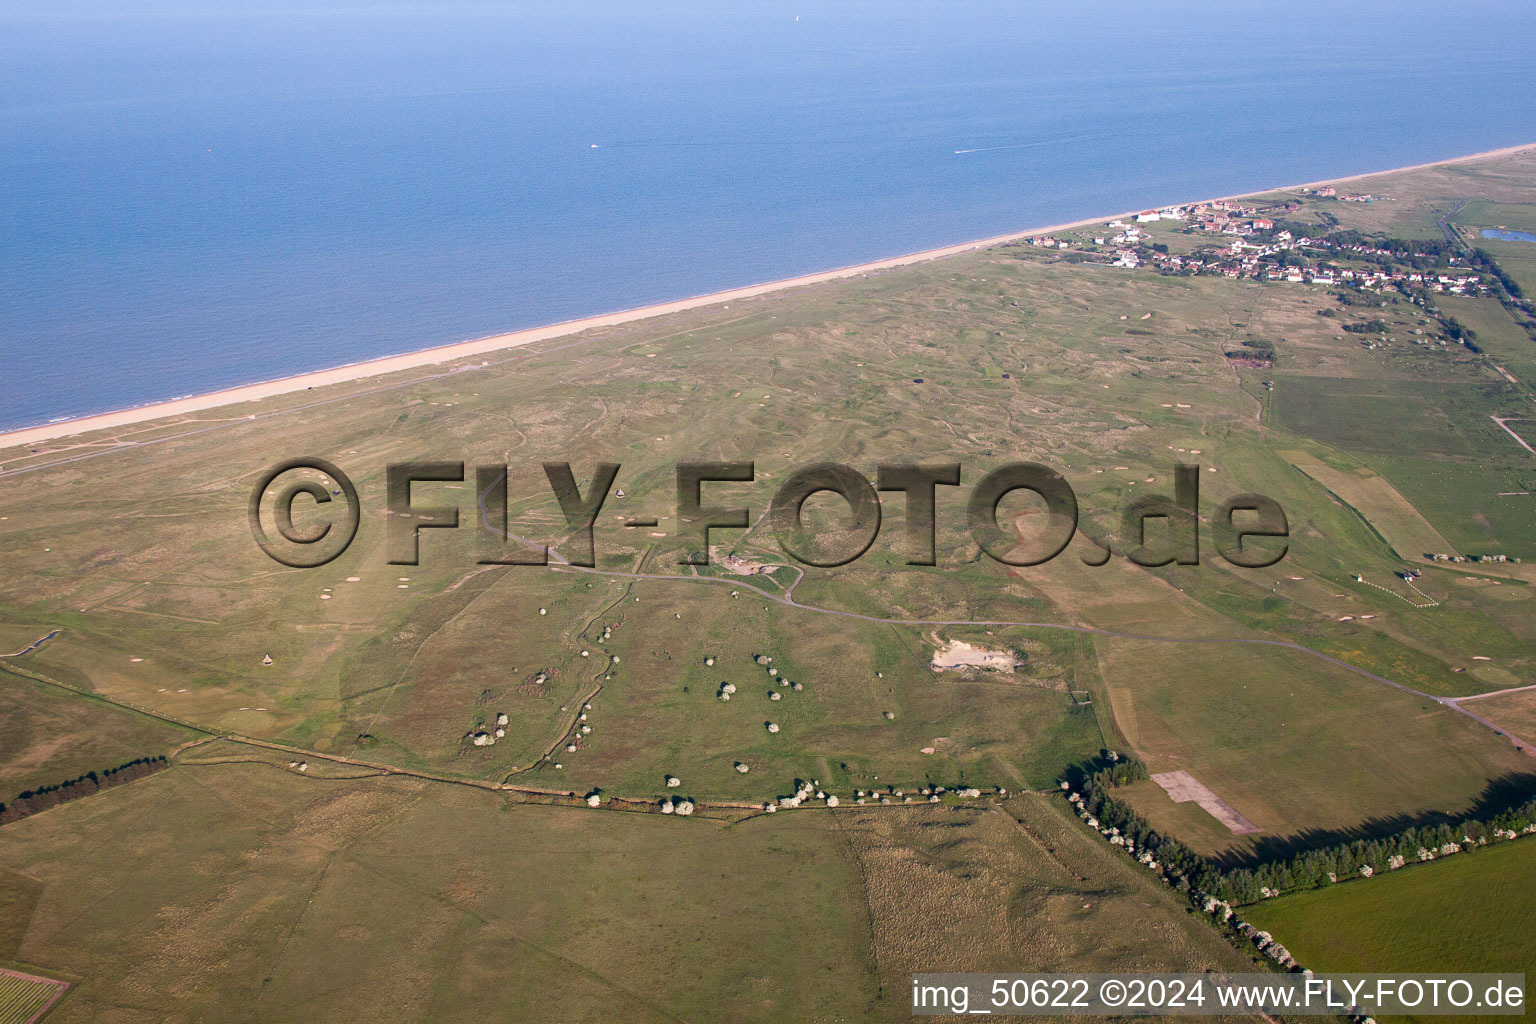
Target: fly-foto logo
(1236,520)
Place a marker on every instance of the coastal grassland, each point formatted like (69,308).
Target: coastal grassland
(1383,416)
(1418,636)
(53,735)
(1418,198)
(1514,711)
(1517,259)
(291,897)
(160,566)
(18,897)
(1505,342)
(1463,913)
(662,713)
(1381,631)
(1476,505)
(658,709)
(1313,597)
(219,885)
(142,551)
(1420,415)
(1511,216)
(392,662)
(1296,746)
(16,637)
(1018,887)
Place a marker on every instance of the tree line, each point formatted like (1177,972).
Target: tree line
(1485,262)
(30,801)
(1310,869)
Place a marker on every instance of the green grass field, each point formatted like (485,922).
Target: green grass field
(1380,504)
(1465,913)
(1503,340)
(1278,710)
(1516,711)
(1514,217)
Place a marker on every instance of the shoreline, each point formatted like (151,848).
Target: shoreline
(452,351)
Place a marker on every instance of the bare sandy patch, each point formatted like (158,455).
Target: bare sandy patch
(1183,788)
(959,654)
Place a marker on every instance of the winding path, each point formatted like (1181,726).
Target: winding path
(1444,223)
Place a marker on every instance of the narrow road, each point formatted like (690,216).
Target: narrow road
(1444,222)
(1492,693)
(1503,421)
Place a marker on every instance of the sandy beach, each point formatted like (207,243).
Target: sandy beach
(450,353)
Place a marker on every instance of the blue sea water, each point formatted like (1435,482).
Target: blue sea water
(196,196)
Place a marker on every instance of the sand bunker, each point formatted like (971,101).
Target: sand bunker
(959,654)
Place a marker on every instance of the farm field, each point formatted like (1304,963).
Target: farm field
(1464,913)
(24,996)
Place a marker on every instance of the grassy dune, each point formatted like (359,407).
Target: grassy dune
(291,898)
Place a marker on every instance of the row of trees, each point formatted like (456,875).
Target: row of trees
(1458,332)
(1489,265)
(31,801)
(1306,870)
(1174,858)
(1366,857)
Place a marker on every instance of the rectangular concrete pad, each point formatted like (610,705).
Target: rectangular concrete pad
(1183,787)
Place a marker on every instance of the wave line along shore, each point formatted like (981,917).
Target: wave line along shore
(514,339)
